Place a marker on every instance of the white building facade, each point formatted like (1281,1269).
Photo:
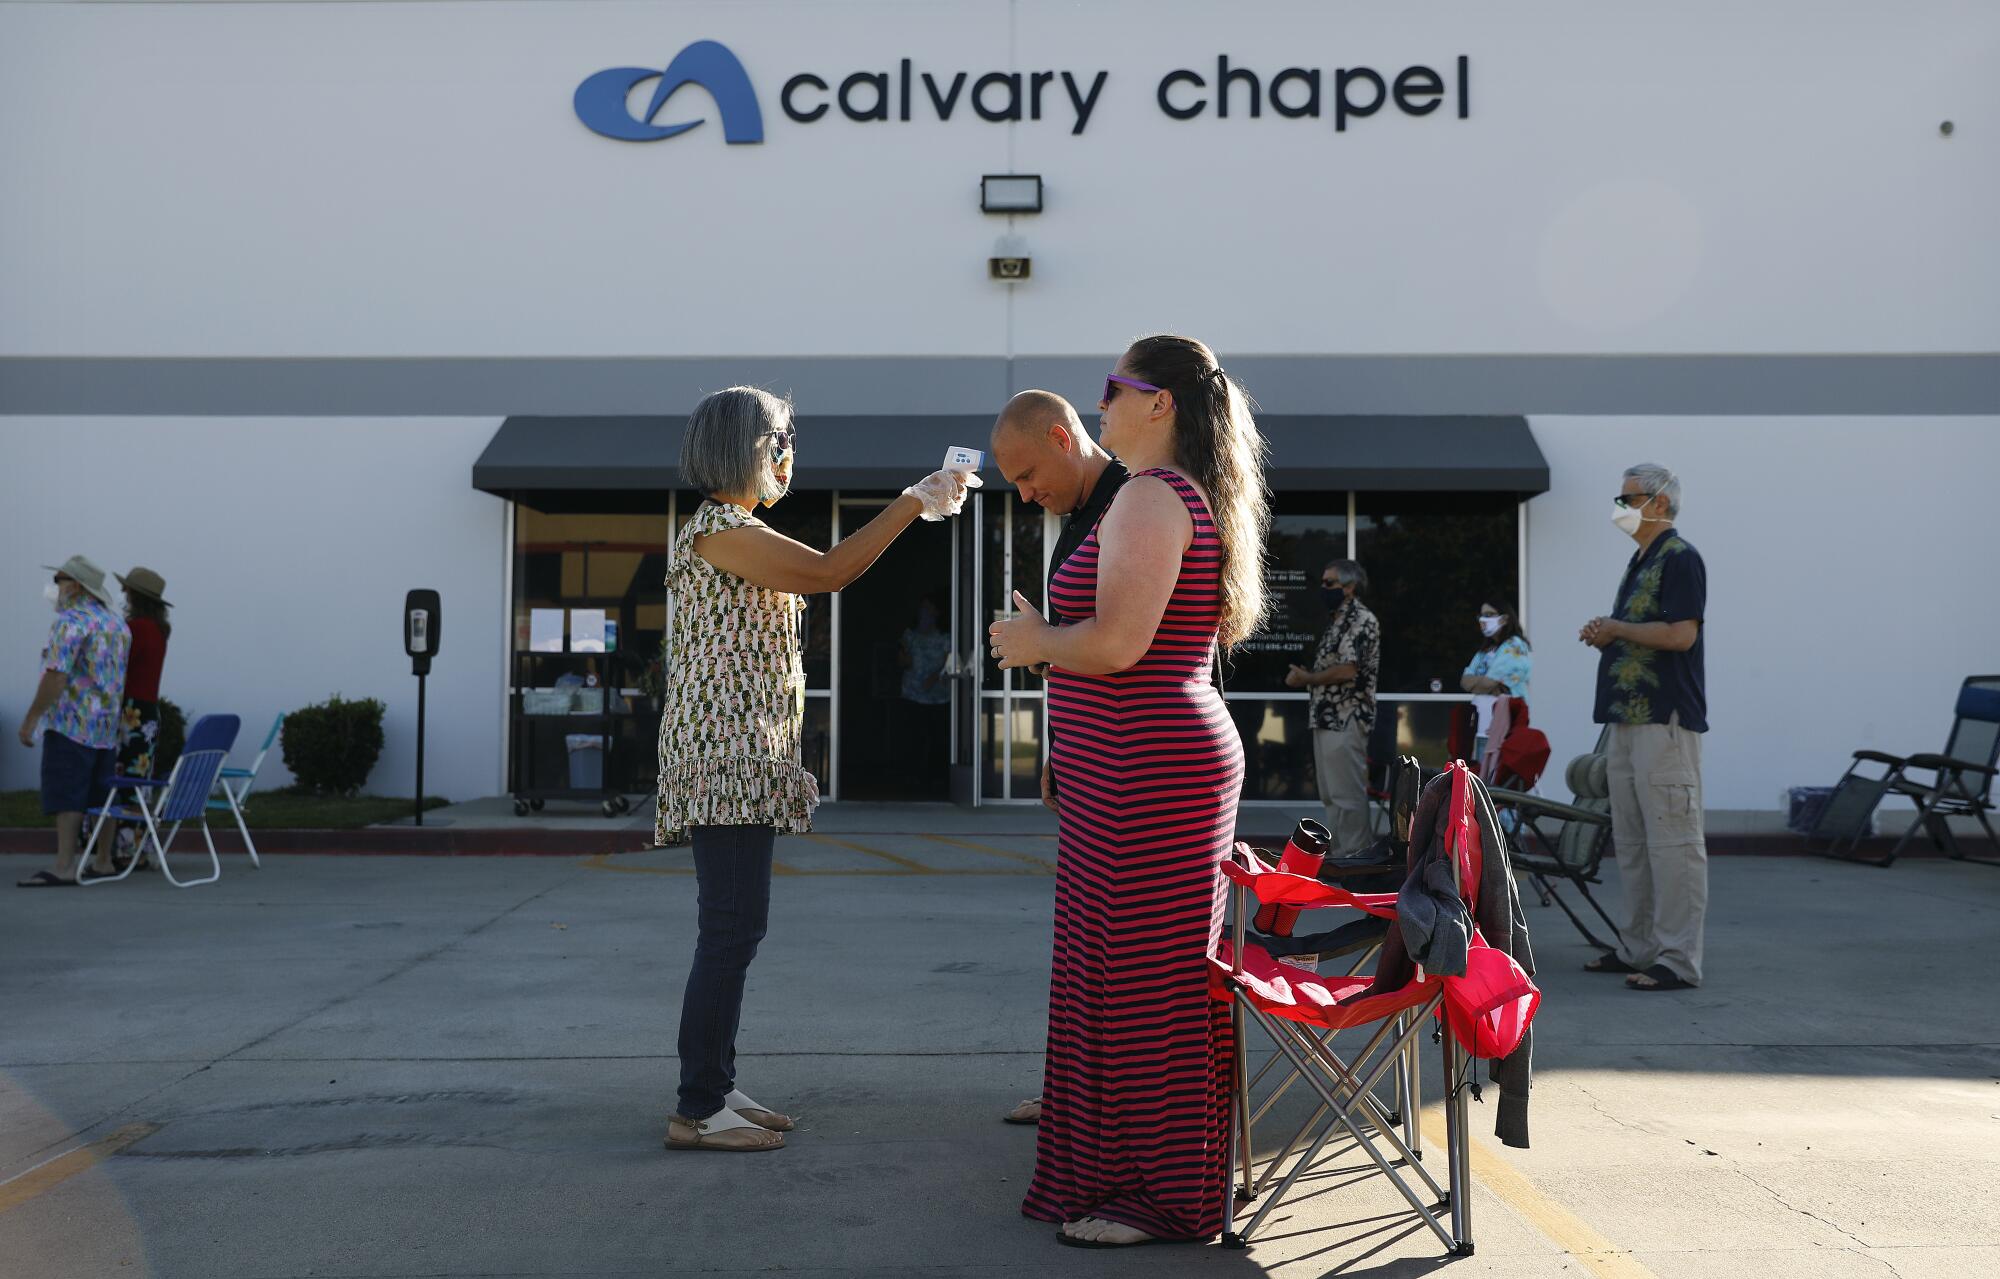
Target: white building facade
(306,305)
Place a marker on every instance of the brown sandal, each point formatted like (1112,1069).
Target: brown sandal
(725,1130)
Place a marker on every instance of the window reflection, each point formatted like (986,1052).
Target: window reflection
(1307,530)
(1432,558)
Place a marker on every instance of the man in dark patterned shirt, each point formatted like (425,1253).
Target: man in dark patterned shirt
(1652,693)
(1342,680)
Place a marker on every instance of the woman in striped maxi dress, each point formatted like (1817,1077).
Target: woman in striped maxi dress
(1134,1140)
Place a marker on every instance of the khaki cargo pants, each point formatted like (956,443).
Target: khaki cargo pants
(1340,757)
(1656,826)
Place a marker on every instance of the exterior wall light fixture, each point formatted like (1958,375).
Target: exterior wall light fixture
(1010,193)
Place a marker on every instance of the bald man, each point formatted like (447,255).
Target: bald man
(1041,448)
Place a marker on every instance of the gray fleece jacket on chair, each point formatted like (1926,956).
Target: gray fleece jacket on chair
(1500,921)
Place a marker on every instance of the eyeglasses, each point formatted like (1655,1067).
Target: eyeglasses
(1112,382)
(782,441)
(1629,500)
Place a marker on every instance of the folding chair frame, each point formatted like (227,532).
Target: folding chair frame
(182,797)
(1955,790)
(139,786)
(237,796)
(1348,1092)
(1544,866)
(1958,788)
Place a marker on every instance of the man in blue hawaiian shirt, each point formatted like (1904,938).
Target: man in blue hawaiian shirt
(76,713)
(1652,693)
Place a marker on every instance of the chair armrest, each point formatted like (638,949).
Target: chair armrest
(1536,806)
(1877,757)
(1946,764)
(153,782)
(235,772)
(1353,867)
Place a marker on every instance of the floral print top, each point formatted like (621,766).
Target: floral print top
(1510,662)
(90,644)
(1352,636)
(735,696)
(1665,582)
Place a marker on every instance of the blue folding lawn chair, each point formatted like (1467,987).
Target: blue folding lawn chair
(234,784)
(182,797)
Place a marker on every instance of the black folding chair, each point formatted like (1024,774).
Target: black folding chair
(1960,785)
(1556,841)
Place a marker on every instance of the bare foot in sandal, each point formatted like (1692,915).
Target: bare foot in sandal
(725,1130)
(1095,1232)
(742,1104)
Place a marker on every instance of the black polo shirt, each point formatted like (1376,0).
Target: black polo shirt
(1084,518)
(1665,582)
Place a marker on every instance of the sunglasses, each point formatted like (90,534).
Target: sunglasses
(1112,382)
(1630,500)
(783,441)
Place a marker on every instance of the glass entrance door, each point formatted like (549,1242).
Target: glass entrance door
(1011,544)
(892,659)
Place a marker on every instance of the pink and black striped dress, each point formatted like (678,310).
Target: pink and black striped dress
(1135,1098)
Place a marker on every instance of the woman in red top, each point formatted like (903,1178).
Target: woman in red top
(146,613)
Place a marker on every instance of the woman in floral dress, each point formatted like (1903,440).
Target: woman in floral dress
(730,777)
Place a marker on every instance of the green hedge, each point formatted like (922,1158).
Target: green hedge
(172,738)
(331,748)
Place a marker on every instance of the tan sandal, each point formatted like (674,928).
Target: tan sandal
(742,1104)
(1028,1112)
(725,1130)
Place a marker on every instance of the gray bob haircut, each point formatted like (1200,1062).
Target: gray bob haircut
(1658,480)
(724,442)
(1352,574)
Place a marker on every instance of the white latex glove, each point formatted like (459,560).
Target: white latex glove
(943,492)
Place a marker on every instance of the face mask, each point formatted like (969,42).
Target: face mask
(770,487)
(1333,595)
(1627,518)
(53,594)
(1489,626)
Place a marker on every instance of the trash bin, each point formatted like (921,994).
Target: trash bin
(586,761)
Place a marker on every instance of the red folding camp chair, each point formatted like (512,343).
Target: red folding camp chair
(1485,1011)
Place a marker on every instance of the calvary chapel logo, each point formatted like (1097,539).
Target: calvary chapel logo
(906,91)
(602,99)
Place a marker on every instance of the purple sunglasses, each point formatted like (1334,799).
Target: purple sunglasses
(1112,382)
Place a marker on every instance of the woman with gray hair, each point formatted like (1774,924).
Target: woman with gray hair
(730,777)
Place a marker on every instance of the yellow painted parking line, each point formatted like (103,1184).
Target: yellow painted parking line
(891,858)
(1512,1187)
(1041,862)
(52,1172)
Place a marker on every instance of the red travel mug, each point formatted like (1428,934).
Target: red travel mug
(1303,856)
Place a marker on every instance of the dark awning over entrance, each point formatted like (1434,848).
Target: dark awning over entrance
(586,456)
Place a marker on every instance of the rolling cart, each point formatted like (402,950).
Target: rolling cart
(580,717)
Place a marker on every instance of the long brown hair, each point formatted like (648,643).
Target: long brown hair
(140,604)
(1509,628)
(1217,440)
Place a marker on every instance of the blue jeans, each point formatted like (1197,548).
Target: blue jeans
(732,866)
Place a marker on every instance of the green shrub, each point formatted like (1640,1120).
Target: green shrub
(331,748)
(171,739)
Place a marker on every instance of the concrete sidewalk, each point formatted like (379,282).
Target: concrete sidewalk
(461,1066)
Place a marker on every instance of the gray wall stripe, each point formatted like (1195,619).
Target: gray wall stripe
(1809,385)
